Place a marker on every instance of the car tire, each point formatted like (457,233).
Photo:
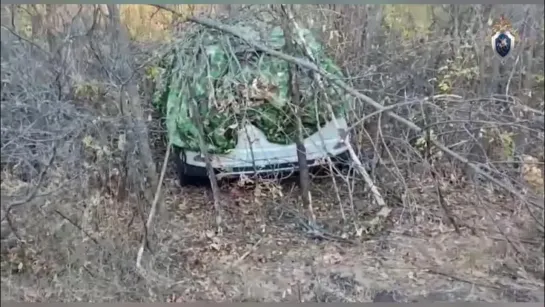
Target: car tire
(188,175)
(344,160)
(181,166)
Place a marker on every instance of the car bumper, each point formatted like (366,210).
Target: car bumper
(255,155)
(271,169)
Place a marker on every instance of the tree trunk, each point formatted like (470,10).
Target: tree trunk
(132,107)
(293,92)
(209,169)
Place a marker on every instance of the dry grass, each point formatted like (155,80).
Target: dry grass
(417,255)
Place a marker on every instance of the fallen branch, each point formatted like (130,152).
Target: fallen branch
(247,253)
(85,232)
(384,211)
(460,279)
(153,210)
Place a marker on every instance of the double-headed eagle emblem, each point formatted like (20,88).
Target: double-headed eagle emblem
(503,41)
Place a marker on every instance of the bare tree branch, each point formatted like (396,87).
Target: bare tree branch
(34,189)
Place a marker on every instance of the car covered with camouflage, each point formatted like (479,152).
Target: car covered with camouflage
(234,85)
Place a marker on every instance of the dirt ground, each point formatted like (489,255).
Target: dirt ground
(263,255)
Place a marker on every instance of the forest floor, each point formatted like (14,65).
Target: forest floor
(264,254)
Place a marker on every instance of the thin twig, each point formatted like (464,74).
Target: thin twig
(484,207)
(359,166)
(87,234)
(26,40)
(460,279)
(247,253)
(336,188)
(442,200)
(36,187)
(29,197)
(153,209)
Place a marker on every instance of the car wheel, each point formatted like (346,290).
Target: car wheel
(181,166)
(344,159)
(189,175)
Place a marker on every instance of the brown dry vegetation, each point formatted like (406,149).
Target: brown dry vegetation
(81,150)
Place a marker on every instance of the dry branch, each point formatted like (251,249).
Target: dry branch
(304,178)
(361,169)
(34,190)
(197,120)
(153,210)
(359,166)
(441,199)
(31,194)
(336,188)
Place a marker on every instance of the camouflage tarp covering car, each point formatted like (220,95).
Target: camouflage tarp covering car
(233,84)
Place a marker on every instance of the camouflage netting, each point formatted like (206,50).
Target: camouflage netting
(234,84)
